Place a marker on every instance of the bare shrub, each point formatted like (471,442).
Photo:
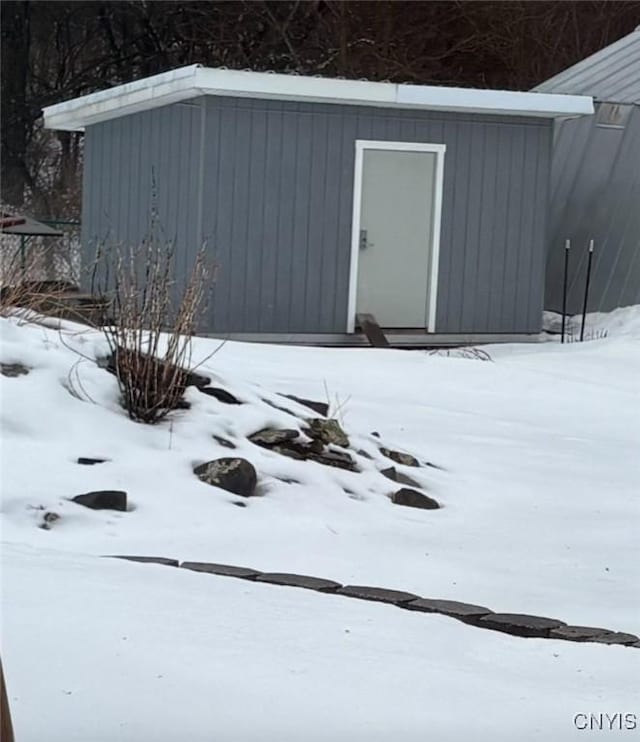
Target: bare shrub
(150,333)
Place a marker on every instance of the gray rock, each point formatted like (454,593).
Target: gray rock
(231,474)
(270,437)
(224,570)
(328,432)
(291,580)
(322,408)
(148,559)
(103,500)
(578,633)
(222,395)
(616,637)
(406,459)
(519,624)
(453,608)
(13,369)
(397,476)
(412,499)
(333,458)
(88,461)
(379,594)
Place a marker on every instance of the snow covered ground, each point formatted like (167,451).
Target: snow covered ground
(540,492)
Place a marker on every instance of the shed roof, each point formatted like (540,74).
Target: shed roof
(191,82)
(611,75)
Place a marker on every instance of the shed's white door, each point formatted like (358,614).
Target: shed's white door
(396,236)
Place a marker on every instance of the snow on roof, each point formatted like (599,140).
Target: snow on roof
(191,82)
(611,75)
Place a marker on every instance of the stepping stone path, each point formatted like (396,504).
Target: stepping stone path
(310,583)
(379,594)
(519,624)
(151,560)
(462,611)
(225,570)
(516,624)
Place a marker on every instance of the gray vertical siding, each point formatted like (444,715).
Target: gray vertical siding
(276,205)
(136,163)
(278,202)
(596,195)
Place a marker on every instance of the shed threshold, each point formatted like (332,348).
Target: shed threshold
(395,338)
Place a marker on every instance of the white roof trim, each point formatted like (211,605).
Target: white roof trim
(191,82)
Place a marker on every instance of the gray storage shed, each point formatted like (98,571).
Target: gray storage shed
(323,198)
(596,182)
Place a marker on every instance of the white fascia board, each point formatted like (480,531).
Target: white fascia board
(503,102)
(191,82)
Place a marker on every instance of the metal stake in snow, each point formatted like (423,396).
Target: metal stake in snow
(586,290)
(567,246)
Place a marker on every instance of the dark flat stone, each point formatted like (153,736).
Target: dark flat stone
(452,608)
(578,633)
(225,570)
(412,499)
(379,594)
(396,476)
(88,461)
(148,559)
(519,624)
(222,395)
(616,637)
(103,500)
(322,408)
(310,583)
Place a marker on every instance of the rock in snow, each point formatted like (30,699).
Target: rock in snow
(103,500)
(412,499)
(232,474)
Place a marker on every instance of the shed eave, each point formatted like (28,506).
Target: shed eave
(194,81)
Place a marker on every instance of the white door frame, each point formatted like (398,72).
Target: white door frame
(439,150)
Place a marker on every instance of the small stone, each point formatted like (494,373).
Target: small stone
(291,580)
(412,499)
(103,500)
(375,434)
(616,637)
(519,624)
(224,570)
(292,453)
(322,408)
(406,459)
(397,476)
(88,461)
(223,441)
(334,458)
(222,395)
(578,633)
(364,454)
(231,474)
(453,608)
(48,519)
(13,369)
(328,432)
(148,559)
(379,594)
(272,437)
